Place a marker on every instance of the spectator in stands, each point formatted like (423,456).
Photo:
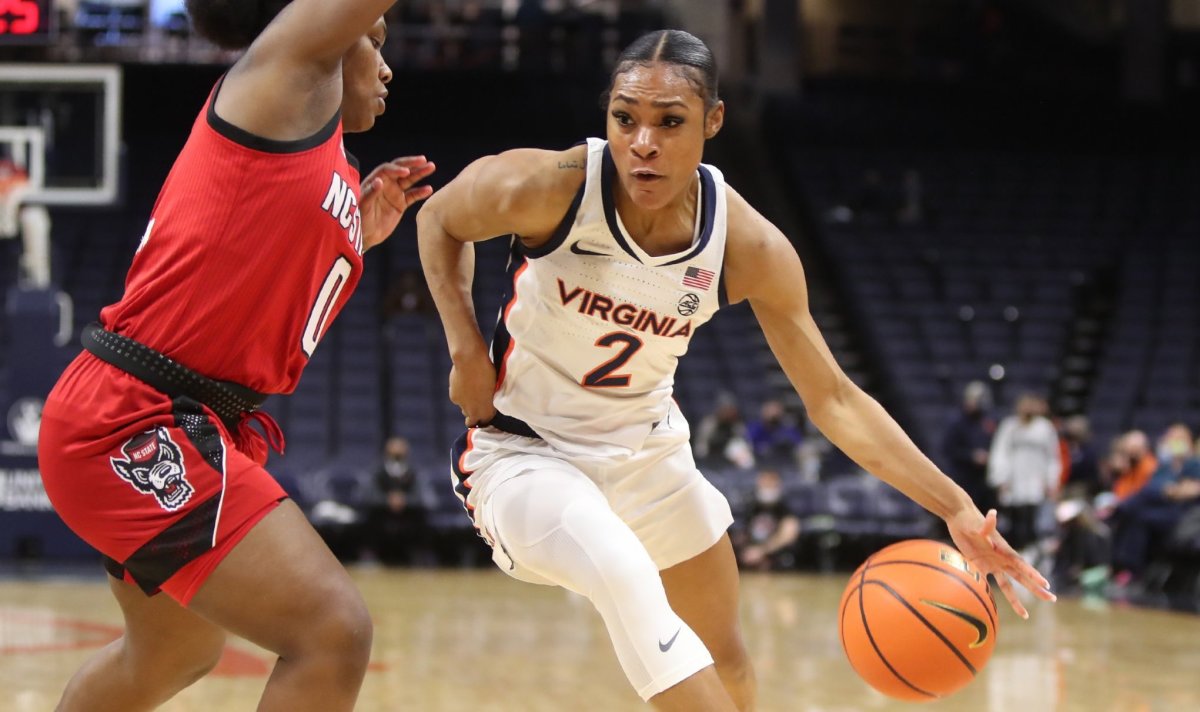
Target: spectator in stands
(775,437)
(1084,549)
(1023,467)
(397,516)
(1133,464)
(1145,519)
(721,438)
(771,529)
(1081,468)
(967,443)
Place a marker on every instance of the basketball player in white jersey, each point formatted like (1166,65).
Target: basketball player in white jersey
(576,467)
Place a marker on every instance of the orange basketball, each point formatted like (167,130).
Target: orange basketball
(917,621)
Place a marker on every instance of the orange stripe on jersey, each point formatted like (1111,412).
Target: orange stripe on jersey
(462,459)
(511,341)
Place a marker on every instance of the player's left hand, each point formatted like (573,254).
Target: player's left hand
(976,537)
(387,192)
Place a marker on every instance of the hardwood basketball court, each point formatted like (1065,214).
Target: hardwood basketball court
(478,641)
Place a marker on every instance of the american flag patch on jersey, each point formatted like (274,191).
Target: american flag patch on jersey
(698,278)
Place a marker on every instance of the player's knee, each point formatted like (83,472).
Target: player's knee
(729,653)
(341,633)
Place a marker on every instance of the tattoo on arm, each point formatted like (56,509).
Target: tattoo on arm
(566,165)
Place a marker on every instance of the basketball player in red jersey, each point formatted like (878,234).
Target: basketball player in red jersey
(252,249)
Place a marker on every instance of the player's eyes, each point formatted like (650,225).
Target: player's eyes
(672,121)
(622,118)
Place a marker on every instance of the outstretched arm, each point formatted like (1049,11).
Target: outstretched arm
(521,192)
(288,84)
(762,266)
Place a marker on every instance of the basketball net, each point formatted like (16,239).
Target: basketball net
(14,185)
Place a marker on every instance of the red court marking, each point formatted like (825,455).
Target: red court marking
(94,635)
(233,663)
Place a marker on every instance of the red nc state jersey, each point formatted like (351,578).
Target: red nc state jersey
(253,248)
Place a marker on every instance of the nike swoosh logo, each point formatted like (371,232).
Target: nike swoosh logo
(981,628)
(664,647)
(584,251)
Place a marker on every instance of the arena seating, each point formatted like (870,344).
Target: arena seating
(989,283)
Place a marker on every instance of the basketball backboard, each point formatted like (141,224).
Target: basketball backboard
(61,123)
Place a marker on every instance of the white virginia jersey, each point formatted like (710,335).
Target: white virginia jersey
(592,327)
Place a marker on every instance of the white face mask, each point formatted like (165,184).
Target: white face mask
(770,495)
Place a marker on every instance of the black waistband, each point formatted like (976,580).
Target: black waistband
(513,426)
(228,400)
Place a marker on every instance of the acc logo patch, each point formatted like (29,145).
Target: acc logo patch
(689,304)
(153,464)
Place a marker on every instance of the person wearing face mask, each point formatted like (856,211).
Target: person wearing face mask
(398,516)
(771,529)
(1145,519)
(1083,470)
(967,441)
(1137,464)
(775,438)
(1023,467)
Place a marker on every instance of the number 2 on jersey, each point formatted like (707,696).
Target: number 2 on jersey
(602,376)
(322,307)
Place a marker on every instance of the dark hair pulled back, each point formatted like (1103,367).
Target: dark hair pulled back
(672,47)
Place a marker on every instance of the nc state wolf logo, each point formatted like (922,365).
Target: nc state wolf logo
(153,464)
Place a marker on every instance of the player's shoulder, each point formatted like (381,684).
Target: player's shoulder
(539,169)
(528,177)
(744,224)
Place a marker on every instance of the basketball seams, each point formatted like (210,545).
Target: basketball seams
(934,629)
(986,608)
(862,609)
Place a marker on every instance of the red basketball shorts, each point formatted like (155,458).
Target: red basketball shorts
(154,483)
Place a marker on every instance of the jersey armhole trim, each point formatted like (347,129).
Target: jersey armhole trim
(560,233)
(246,139)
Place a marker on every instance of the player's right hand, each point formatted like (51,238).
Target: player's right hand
(472,385)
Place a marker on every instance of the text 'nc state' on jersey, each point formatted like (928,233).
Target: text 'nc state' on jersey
(342,205)
(637,318)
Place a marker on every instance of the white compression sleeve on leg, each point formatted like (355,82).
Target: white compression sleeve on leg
(558,525)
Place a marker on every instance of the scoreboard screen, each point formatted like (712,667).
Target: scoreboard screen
(25,21)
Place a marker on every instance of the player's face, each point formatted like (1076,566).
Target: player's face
(657,126)
(364,79)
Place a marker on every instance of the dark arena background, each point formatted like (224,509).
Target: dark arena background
(997,203)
